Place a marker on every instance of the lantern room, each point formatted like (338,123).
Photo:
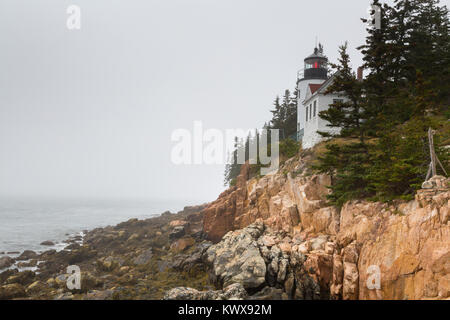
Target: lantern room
(316,65)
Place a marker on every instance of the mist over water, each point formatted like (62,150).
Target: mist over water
(26,222)
(91,112)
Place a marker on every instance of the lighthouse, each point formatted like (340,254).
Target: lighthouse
(314,74)
(312,83)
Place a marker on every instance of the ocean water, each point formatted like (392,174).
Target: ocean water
(26,222)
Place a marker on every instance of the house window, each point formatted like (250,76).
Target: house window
(315,108)
(310,111)
(306,113)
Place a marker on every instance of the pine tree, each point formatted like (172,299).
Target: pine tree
(284,115)
(347,161)
(290,102)
(277,115)
(349,114)
(400,156)
(233,167)
(382,150)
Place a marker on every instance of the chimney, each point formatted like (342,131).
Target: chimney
(360,73)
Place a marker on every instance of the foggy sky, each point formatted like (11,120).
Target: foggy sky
(90,113)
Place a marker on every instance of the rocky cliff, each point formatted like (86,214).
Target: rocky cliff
(272,237)
(295,245)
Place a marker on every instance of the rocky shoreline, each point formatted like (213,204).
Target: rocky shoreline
(136,259)
(266,238)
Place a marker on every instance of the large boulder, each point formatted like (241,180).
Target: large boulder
(6,262)
(144,258)
(177,232)
(47,243)
(27,255)
(237,258)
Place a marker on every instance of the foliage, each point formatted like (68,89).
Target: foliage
(289,148)
(284,118)
(386,116)
(284,114)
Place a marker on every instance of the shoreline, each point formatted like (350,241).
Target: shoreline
(143,247)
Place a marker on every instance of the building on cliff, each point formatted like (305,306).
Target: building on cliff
(312,84)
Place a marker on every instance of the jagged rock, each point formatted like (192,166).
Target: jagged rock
(272,271)
(329,247)
(192,260)
(144,257)
(285,247)
(233,292)
(6,262)
(31,263)
(178,223)
(27,255)
(89,282)
(338,276)
(350,285)
(268,241)
(282,269)
(319,266)
(177,232)
(47,243)
(237,259)
(275,232)
(408,244)
(289,285)
(319,242)
(306,287)
(182,244)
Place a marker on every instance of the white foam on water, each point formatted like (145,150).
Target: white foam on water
(25,223)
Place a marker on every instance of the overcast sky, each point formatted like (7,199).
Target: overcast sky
(89,113)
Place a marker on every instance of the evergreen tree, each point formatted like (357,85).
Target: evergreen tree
(233,167)
(382,147)
(277,114)
(284,115)
(290,122)
(348,160)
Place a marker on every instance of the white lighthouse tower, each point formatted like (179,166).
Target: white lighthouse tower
(310,79)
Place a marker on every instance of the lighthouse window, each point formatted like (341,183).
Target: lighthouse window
(316,65)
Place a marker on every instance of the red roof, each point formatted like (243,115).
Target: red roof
(314,87)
